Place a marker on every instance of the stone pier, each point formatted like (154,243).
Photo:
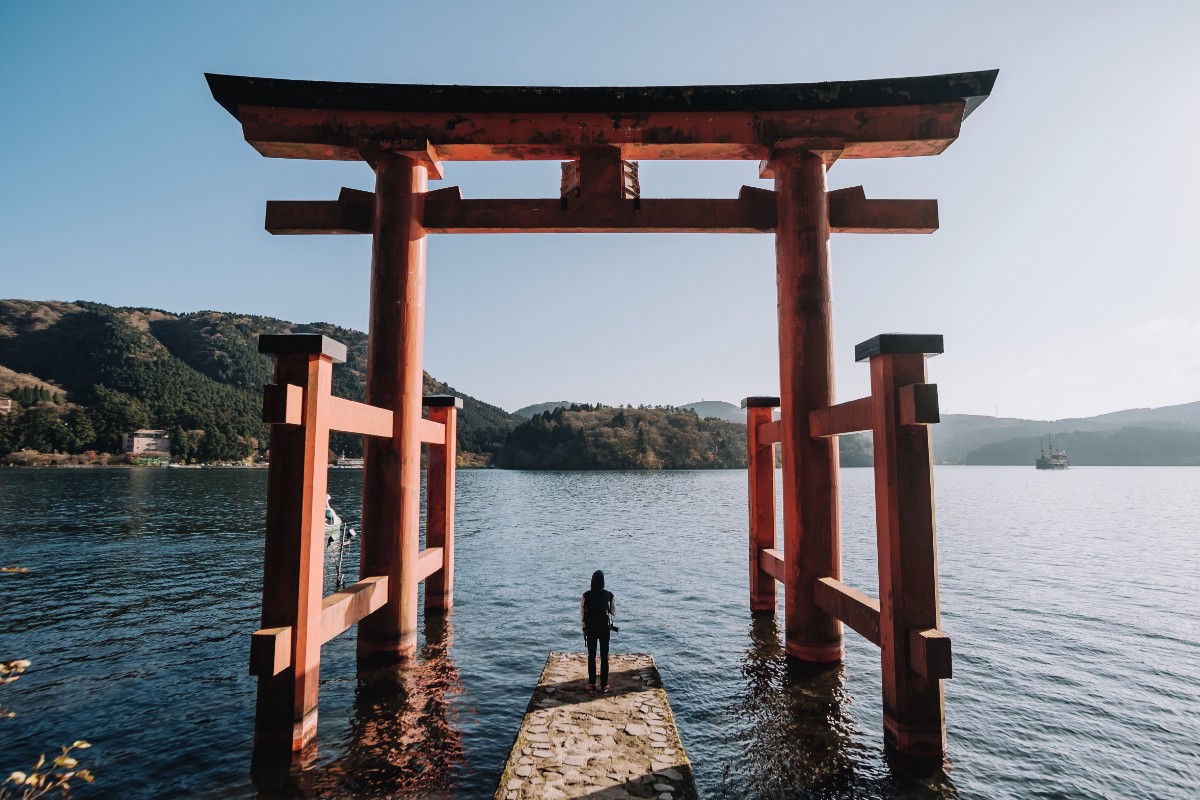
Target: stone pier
(601,746)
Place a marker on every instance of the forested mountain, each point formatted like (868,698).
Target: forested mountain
(603,437)
(82,374)
(648,437)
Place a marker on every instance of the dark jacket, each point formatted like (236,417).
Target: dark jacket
(595,609)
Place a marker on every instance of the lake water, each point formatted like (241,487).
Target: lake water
(1071,598)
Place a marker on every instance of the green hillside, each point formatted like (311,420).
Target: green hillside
(82,374)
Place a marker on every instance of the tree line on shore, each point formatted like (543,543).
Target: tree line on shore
(593,437)
(603,437)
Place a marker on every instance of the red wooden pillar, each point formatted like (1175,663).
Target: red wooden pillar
(294,557)
(439,501)
(392,471)
(914,715)
(760,466)
(812,545)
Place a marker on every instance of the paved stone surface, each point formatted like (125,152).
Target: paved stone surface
(619,745)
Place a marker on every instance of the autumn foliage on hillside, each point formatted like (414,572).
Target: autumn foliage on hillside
(603,437)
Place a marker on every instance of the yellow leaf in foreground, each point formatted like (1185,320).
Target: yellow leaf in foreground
(16,777)
(65,761)
(81,744)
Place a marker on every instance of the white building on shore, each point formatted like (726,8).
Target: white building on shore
(148,443)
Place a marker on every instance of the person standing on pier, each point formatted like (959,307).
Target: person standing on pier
(596,611)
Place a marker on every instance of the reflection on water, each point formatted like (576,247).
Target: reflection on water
(403,742)
(799,737)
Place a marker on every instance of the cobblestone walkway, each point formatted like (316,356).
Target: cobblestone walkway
(601,746)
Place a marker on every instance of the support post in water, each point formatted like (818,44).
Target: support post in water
(915,653)
(439,499)
(761,436)
(293,562)
(811,534)
(391,515)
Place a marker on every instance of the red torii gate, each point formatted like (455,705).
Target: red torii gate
(796,132)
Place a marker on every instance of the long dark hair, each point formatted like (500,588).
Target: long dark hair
(597,580)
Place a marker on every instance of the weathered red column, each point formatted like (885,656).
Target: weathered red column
(392,470)
(760,468)
(812,545)
(439,501)
(914,716)
(294,557)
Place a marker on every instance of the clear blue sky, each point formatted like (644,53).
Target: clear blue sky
(1064,277)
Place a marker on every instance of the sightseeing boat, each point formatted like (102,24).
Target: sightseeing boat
(1057,459)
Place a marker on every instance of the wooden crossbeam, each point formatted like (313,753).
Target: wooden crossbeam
(342,609)
(848,417)
(432,432)
(771,561)
(352,212)
(283,404)
(851,212)
(851,606)
(928,650)
(338,134)
(447,213)
(271,648)
(429,561)
(351,417)
(753,211)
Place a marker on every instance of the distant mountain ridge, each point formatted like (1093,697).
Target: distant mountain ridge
(1124,446)
(959,435)
(529,412)
(979,439)
(718,409)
